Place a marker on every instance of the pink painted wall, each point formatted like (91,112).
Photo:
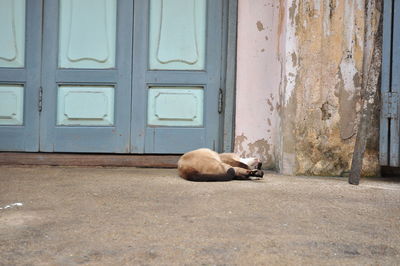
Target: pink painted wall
(259,75)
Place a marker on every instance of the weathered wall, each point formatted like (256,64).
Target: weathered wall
(327,74)
(258,80)
(300,68)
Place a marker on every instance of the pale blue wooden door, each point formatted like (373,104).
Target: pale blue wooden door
(87,55)
(177,55)
(106,76)
(20,46)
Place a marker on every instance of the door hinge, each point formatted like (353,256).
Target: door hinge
(390,102)
(40,103)
(220,101)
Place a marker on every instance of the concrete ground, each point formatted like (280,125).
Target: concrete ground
(132,216)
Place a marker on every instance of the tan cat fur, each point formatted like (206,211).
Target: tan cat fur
(207,165)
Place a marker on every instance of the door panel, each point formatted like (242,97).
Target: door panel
(20,31)
(85,106)
(87,93)
(177,51)
(175,106)
(87,33)
(177,34)
(12,33)
(12,104)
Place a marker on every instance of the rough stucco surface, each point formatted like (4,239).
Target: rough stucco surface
(298,95)
(258,80)
(330,36)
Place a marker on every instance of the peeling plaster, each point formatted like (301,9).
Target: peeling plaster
(294,59)
(259,52)
(270,104)
(281,24)
(239,142)
(292,12)
(330,7)
(260,26)
(347,97)
(317,5)
(291,66)
(324,53)
(308,127)
(327,110)
(260,149)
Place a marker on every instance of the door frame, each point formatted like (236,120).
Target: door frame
(159,139)
(86,139)
(228,74)
(389,143)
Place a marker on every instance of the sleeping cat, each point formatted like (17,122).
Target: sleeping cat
(207,165)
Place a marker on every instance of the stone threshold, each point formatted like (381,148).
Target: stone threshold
(74,159)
